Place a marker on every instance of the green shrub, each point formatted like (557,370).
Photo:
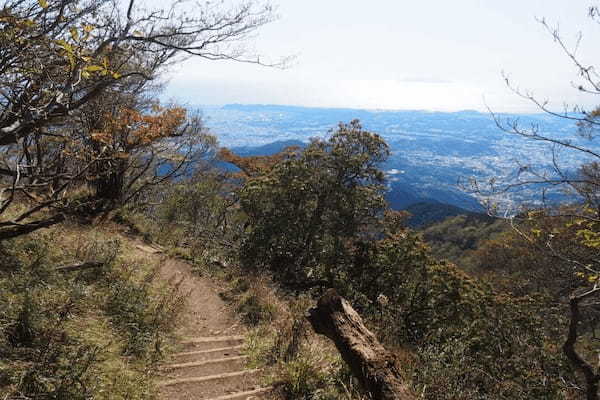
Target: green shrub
(481,343)
(253,310)
(301,378)
(303,214)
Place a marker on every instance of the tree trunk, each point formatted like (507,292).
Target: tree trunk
(373,366)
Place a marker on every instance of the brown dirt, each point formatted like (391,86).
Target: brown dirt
(205,314)
(208,364)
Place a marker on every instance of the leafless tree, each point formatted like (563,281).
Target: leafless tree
(579,219)
(59,57)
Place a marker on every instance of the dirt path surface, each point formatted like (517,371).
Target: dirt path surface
(209,363)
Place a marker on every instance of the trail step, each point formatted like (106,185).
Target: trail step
(243,395)
(197,368)
(212,339)
(200,352)
(202,355)
(208,343)
(208,378)
(149,249)
(203,363)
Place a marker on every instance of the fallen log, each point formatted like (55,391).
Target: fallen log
(373,366)
(79,266)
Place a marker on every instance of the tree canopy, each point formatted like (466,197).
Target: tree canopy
(305,212)
(77,79)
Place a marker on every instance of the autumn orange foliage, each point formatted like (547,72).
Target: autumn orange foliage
(253,166)
(131,128)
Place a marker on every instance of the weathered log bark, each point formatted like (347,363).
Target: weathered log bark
(592,378)
(373,366)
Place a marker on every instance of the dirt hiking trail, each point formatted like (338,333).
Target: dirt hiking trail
(209,363)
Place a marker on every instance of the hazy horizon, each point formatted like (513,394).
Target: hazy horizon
(395,55)
(484,111)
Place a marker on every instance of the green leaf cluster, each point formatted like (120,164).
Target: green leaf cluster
(304,214)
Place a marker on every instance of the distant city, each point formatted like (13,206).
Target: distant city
(431,151)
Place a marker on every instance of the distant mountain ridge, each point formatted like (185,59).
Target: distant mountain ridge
(307,109)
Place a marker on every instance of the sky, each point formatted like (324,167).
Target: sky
(400,54)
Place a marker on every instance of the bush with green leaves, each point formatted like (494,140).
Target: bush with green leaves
(304,212)
(253,310)
(317,219)
(480,343)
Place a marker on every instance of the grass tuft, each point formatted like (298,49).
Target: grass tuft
(95,333)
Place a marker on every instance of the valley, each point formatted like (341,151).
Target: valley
(431,151)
